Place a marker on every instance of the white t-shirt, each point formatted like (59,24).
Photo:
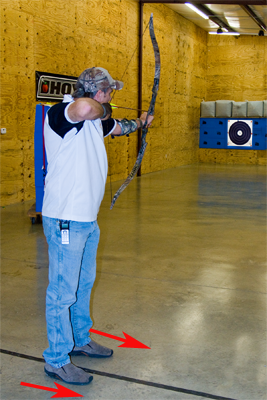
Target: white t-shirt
(76,164)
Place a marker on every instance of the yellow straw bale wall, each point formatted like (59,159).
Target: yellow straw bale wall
(236,70)
(64,37)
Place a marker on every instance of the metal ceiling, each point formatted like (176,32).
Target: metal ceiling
(247,17)
(231,14)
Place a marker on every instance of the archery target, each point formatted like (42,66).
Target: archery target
(239,133)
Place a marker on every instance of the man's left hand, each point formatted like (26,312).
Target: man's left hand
(149,120)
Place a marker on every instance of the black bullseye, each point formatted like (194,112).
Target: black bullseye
(240,133)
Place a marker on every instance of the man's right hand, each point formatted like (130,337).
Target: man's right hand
(108,109)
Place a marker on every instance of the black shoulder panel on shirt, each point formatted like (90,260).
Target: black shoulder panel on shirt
(108,125)
(58,122)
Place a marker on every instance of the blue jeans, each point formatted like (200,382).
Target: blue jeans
(72,272)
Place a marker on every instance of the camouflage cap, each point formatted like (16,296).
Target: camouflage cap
(97,78)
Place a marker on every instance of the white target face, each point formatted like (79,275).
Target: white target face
(239,133)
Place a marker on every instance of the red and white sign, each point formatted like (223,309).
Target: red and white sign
(52,87)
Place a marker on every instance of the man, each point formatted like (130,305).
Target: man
(74,188)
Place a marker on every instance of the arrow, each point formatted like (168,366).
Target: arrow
(113,106)
(61,391)
(129,341)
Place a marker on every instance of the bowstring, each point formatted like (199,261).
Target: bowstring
(138,44)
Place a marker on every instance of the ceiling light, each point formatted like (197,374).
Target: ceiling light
(225,33)
(197,10)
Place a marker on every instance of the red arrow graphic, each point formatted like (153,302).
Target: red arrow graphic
(129,341)
(61,391)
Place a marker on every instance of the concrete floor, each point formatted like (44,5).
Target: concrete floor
(181,268)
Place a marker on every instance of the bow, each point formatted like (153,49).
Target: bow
(150,112)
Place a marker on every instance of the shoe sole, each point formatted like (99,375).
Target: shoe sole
(56,376)
(83,353)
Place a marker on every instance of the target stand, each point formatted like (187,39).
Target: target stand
(230,133)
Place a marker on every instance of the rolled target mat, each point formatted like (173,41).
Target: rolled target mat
(240,133)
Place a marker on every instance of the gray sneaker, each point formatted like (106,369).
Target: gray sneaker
(92,349)
(69,373)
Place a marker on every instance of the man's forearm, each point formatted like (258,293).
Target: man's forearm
(126,126)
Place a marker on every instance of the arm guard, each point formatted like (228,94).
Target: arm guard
(129,126)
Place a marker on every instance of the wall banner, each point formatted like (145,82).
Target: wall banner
(52,87)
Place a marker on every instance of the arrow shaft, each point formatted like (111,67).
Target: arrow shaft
(107,335)
(38,387)
(127,108)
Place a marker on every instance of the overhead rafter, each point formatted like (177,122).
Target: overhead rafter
(255,18)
